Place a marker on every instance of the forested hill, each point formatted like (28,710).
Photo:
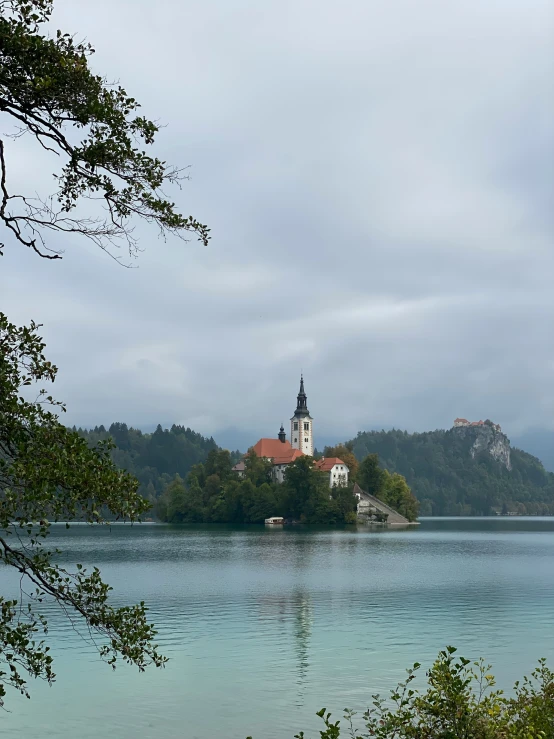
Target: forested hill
(154,458)
(449,481)
(447,472)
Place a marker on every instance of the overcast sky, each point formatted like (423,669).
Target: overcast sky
(378,177)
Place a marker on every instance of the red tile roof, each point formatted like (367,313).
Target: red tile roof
(326,464)
(271,448)
(278,451)
(288,457)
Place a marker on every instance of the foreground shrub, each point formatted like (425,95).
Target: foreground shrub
(460,702)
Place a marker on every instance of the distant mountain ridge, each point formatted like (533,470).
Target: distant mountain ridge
(463,471)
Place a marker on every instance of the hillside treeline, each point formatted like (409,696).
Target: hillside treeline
(447,481)
(154,459)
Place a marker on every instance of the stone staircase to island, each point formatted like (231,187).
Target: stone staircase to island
(393,517)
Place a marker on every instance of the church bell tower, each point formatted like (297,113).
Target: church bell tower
(301,424)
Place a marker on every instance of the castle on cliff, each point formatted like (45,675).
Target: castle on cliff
(459,422)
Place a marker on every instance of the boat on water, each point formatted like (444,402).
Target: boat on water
(275,521)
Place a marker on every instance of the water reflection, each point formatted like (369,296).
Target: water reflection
(294,613)
(302,633)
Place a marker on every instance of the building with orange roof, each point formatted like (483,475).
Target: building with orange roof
(461,422)
(278,451)
(336,469)
(270,448)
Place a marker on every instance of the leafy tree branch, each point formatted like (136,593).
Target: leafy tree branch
(48,473)
(49,92)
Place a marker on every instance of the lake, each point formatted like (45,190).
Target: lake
(263,627)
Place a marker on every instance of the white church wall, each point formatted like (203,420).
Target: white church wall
(279,472)
(338,475)
(300,437)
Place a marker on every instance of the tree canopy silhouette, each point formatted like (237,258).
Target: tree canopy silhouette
(49,92)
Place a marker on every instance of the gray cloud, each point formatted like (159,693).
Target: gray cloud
(378,178)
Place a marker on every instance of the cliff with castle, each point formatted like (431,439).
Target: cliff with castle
(485,437)
(467,470)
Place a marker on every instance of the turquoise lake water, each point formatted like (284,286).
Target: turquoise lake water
(263,627)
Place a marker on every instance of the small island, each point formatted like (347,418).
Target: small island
(287,481)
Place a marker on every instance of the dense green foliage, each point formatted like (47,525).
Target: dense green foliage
(460,702)
(154,459)
(213,493)
(447,481)
(48,91)
(49,473)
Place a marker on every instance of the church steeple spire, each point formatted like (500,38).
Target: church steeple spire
(282,436)
(302,400)
(301,424)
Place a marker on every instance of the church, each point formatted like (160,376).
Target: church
(301,424)
(281,452)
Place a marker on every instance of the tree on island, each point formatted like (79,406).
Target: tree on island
(49,473)
(221,496)
(306,491)
(392,489)
(397,494)
(370,475)
(307,497)
(257,469)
